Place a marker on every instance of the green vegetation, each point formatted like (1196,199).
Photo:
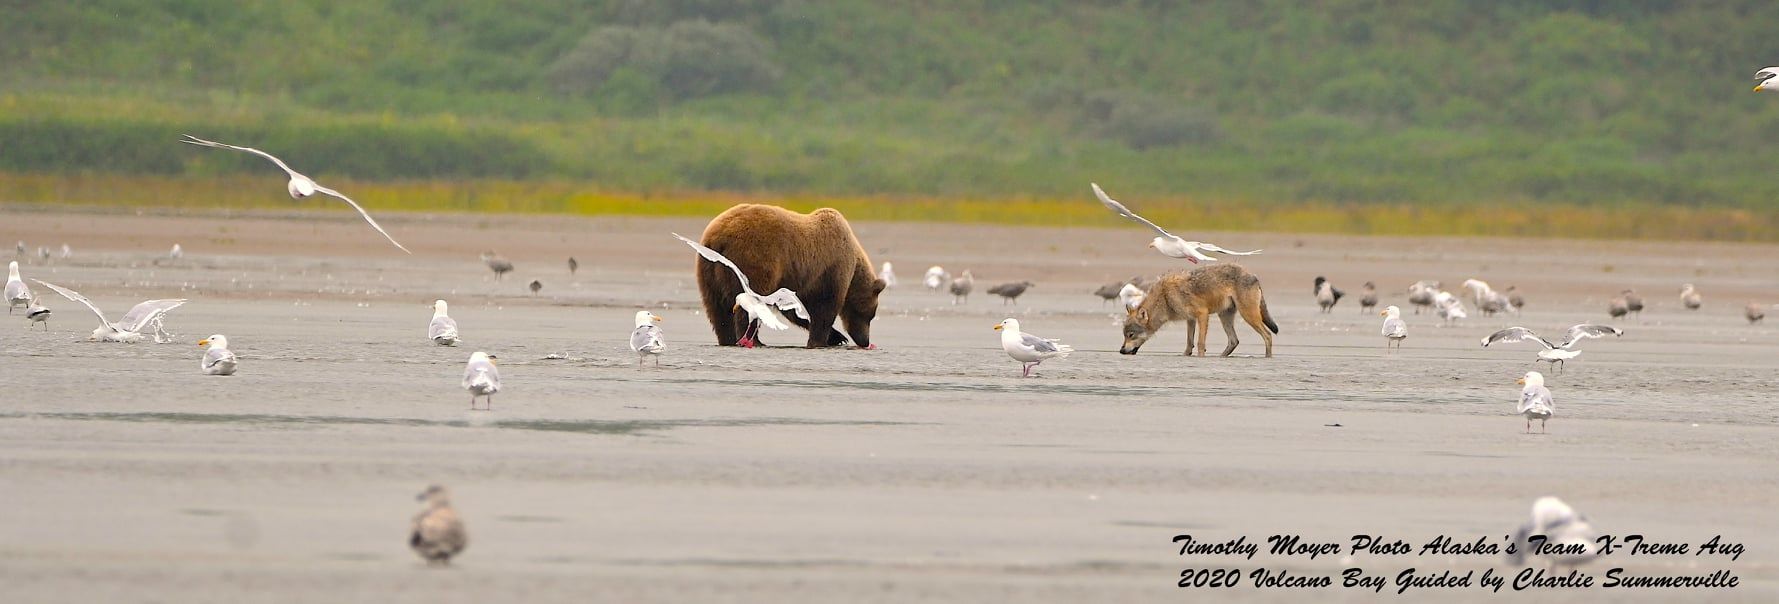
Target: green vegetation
(1348,114)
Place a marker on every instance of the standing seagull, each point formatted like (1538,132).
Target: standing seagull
(1553,353)
(1514,299)
(1395,329)
(647,340)
(936,278)
(1690,298)
(1617,308)
(1167,243)
(299,186)
(218,359)
(573,265)
(443,329)
(496,263)
(175,253)
(535,286)
(1010,291)
(438,533)
(759,308)
(1109,291)
(1028,349)
(1422,293)
(1535,401)
(17,293)
(961,287)
(142,317)
(1754,312)
(1326,295)
(481,378)
(888,275)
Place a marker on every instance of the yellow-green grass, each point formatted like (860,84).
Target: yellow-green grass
(1518,219)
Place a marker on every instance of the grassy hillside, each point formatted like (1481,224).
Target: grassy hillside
(1632,104)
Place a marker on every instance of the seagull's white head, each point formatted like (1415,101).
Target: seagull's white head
(1547,511)
(481,356)
(1008,325)
(644,317)
(300,187)
(1685,289)
(438,308)
(215,341)
(1533,379)
(12,271)
(1764,79)
(1391,312)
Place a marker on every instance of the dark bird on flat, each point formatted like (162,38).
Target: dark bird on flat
(1010,291)
(500,266)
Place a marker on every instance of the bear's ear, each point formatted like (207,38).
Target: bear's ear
(877,286)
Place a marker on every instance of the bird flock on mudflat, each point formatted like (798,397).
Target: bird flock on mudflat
(438,534)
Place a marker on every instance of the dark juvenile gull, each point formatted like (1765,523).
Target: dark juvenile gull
(1028,349)
(481,378)
(1167,243)
(1633,302)
(1554,353)
(218,359)
(443,329)
(1367,297)
(647,339)
(760,309)
(437,534)
(299,186)
(1395,329)
(143,317)
(1421,294)
(1010,291)
(500,266)
(1536,402)
(535,286)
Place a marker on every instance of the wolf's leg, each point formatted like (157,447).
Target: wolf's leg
(1202,325)
(1228,318)
(1191,335)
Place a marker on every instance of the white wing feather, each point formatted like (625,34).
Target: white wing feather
(361,212)
(141,315)
(192,140)
(72,295)
(1125,212)
(713,256)
(1213,248)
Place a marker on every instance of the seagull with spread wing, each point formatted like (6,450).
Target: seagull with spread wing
(143,317)
(300,186)
(1167,243)
(1554,353)
(760,309)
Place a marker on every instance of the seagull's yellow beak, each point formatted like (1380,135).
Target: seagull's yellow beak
(1151,244)
(1383,313)
(1757,87)
(655,318)
(997,327)
(205,342)
(1521,381)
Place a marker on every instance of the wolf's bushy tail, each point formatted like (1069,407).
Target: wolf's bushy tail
(1266,315)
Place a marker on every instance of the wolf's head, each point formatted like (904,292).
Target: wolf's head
(1136,330)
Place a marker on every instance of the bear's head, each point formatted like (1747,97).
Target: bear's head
(861,308)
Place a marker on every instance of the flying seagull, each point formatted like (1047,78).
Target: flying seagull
(759,308)
(142,317)
(1554,353)
(300,186)
(1168,244)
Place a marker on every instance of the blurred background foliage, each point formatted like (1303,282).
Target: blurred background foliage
(1426,103)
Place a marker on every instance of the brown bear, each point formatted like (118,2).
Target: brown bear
(814,254)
